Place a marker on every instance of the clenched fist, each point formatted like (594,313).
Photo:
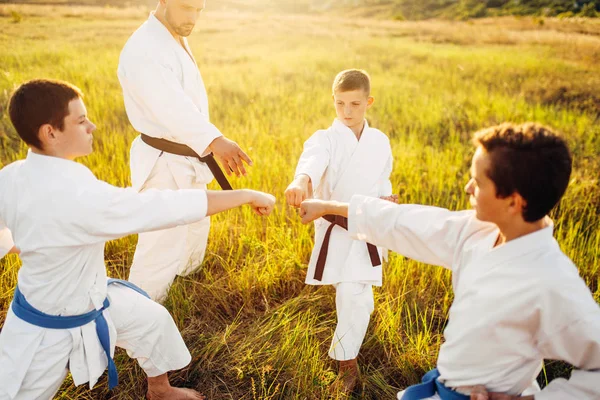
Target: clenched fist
(262,203)
(299,190)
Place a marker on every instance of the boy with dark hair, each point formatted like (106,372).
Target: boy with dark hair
(518,299)
(66,314)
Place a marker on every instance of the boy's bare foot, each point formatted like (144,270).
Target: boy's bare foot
(159,388)
(348,377)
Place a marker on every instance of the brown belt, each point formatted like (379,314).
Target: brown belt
(183,150)
(343,223)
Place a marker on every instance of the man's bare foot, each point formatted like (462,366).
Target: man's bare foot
(348,377)
(159,388)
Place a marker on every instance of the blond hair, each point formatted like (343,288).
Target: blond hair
(352,79)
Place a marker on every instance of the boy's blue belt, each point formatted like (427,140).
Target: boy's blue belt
(27,313)
(429,387)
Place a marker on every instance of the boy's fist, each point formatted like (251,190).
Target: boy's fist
(312,209)
(298,191)
(262,203)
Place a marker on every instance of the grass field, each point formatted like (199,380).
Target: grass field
(254,329)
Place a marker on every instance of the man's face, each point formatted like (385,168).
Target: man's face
(482,191)
(352,106)
(182,15)
(75,139)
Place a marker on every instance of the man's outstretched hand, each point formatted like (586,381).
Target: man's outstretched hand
(230,155)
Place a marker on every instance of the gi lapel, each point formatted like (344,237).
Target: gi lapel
(366,164)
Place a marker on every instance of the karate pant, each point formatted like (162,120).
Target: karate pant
(144,328)
(354,304)
(434,397)
(161,255)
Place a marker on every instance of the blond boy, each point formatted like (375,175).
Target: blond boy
(346,159)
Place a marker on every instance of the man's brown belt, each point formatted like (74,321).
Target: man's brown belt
(183,150)
(343,223)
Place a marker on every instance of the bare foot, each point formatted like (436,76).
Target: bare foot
(174,393)
(159,388)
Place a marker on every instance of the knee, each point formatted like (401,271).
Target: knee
(161,318)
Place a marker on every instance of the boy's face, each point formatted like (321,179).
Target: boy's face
(352,106)
(482,191)
(75,139)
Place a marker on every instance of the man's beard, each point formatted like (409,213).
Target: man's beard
(184,30)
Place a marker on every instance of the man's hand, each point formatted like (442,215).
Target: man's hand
(262,203)
(14,250)
(480,393)
(313,209)
(230,155)
(298,191)
(393,198)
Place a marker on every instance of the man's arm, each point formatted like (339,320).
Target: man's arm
(159,90)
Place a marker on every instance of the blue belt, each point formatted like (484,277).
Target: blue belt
(429,387)
(28,313)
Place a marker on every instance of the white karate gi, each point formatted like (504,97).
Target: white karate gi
(165,98)
(514,305)
(340,166)
(60,216)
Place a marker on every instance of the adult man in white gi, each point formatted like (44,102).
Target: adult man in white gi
(518,298)
(348,158)
(60,216)
(165,99)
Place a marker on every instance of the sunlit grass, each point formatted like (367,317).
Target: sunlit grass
(254,329)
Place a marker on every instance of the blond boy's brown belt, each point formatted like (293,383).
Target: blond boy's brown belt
(343,223)
(183,150)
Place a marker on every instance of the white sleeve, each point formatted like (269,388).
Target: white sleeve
(575,340)
(111,212)
(427,234)
(157,88)
(6,239)
(385,184)
(315,158)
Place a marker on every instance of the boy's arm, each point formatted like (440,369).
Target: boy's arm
(7,245)
(311,166)
(427,234)
(385,184)
(112,212)
(570,332)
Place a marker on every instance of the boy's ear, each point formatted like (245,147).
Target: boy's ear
(46,134)
(370,101)
(516,203)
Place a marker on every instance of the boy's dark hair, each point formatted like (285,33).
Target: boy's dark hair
(528,159)
(39,102)
(352,79)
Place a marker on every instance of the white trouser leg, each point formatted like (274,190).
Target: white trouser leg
(161,255)
(354,304)
(147,331)
(48,367)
